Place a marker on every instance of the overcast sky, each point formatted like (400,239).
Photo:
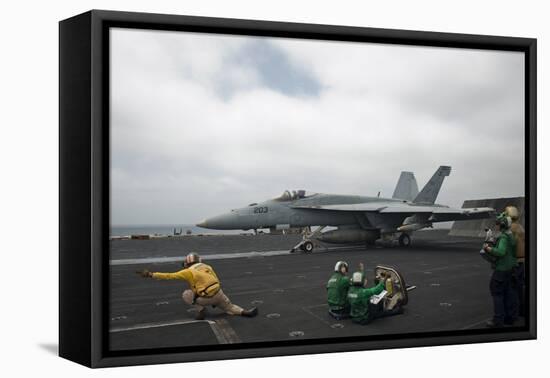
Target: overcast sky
(203,123)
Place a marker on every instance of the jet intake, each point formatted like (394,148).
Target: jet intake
(349,236)
(413,227)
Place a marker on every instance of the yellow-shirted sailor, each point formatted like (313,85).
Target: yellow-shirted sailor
(205,288)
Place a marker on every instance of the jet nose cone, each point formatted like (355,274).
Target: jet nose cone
(229,221)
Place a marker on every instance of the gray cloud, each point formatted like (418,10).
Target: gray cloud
(204,123)
(275,70)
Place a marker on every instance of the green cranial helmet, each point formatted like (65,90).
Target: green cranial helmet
(503,221)
(339,265)
(357,279)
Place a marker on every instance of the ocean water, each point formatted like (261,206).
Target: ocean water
(166,229)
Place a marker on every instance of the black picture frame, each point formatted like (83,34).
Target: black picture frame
(84,185)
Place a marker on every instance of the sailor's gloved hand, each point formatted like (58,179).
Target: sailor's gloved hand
(145,273)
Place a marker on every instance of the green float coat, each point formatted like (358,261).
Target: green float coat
(359,298)
(505,250)
(337,291)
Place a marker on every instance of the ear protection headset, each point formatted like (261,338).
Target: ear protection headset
(503,221)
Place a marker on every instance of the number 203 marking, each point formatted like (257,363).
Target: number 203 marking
(260,210)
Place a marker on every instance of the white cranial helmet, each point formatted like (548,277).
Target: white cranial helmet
(339,265)
(357,278)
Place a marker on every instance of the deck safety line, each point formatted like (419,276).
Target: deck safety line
(224,333)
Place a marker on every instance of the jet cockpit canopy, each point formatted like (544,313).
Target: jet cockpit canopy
(293,195)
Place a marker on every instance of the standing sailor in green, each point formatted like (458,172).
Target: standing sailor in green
(502,285)
(337,291)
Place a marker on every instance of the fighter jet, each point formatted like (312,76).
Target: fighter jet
(357,219)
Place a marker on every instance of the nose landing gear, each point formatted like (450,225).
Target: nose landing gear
(307,247)
(307,244)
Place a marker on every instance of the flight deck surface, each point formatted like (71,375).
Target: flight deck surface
(289,289)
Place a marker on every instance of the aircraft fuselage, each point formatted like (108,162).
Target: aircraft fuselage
(281,214)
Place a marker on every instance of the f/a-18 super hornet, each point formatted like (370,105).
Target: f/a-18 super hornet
(358,219)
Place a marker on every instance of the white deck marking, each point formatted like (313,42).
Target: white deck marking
(224,333)
(220,256)
(306,309)
(156,325)
(217,256)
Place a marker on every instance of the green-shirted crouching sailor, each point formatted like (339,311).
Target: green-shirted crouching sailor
(337,291)
(359,298)
(502,285)
(362,311)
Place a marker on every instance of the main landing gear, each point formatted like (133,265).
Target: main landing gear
(404,240)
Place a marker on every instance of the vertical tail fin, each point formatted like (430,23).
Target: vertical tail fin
(430,191)
(406,188)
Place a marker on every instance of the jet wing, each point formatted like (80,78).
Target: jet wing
(442,214)
(436,213)
(462,214)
